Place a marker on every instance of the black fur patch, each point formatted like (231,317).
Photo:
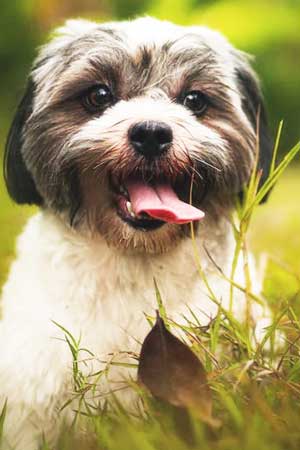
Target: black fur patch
(19,182)
(254,108)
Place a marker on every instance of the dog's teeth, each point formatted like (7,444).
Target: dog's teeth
(130,210)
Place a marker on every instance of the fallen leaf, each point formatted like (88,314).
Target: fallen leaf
(174,374)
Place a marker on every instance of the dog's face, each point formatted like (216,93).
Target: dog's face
(132,109)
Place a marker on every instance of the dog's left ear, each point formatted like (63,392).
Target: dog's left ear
(254,108)
(19,182)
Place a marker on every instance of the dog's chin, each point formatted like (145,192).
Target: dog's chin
(138,236)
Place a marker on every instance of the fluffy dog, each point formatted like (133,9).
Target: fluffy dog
(120,123)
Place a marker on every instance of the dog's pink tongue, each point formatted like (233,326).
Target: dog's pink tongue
(161,202)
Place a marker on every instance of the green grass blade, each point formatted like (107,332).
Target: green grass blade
(2,419)
(276,146)
(267,186)
(160,304)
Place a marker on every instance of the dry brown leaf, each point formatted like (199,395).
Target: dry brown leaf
(174,374)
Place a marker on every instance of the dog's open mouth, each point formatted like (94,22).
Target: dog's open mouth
(148,206)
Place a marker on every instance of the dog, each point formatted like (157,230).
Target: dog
(126,134)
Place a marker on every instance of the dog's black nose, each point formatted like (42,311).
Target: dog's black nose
(150,138)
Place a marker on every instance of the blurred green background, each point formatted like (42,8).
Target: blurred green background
(268,29)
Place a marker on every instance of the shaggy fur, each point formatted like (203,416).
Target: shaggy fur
(78,262)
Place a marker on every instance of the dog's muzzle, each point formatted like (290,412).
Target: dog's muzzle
(149,202)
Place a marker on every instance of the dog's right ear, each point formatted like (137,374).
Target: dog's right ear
(254,108)
(19,182)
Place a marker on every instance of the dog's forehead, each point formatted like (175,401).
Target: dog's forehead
(152,32)
(79,38)
(160,35)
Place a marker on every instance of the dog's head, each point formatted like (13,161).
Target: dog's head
(122,123)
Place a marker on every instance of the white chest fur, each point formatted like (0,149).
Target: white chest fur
(93,291)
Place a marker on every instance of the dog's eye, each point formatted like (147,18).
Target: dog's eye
(196,101)
(98,98)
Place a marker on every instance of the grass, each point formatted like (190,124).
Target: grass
(255,386)
(12,219)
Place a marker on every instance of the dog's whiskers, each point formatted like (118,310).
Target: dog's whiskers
(195,171)
(205,163)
